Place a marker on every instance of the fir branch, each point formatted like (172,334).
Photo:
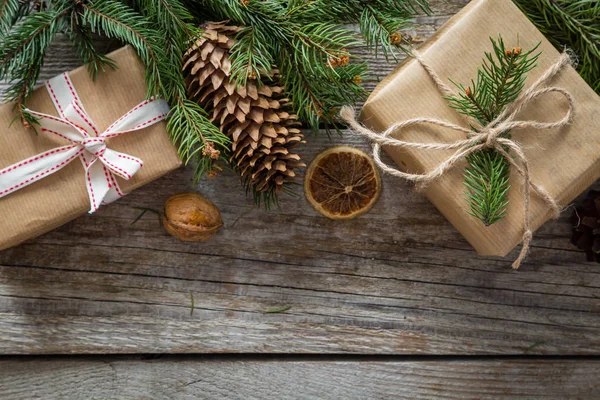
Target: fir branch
(487,185)
(188,126)
(29,40)
(349,11)
(193,132)
(22,55)
(250,55)
(12,11)
(116,20)
(173,20)
(268,199)
(315,43)
(574,24)
(319,96)
(379,20)
(170,15)
(499,82)
(380,30)
(9,12)
(81,37)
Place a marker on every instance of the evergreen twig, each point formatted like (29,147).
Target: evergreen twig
(81,37)
(21,55)
(499,82)
(574,24)
(190,128)
(9,13)
(188,125)
(116,20)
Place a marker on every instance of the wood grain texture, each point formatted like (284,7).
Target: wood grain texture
(399,280)
(189,378)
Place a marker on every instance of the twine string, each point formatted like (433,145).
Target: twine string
(484,137)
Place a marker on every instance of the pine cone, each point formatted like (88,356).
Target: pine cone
(254,117)
(586,226)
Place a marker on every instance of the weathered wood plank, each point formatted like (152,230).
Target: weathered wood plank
(399,280)
(232,379)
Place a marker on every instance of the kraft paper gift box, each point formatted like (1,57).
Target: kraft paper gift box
(563,161)
(62,196)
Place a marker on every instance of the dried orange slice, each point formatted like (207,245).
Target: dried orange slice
(342,182)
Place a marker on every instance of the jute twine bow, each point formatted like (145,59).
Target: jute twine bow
(485,137)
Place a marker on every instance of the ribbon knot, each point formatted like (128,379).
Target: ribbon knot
(484,137)
(490,137)
(75,126)
(95,146)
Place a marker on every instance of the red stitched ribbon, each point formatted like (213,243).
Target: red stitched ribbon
(74,125)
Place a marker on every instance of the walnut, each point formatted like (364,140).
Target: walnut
(191,217)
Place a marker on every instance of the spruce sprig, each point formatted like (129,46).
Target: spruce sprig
(10,11)
(574,24)
(250,56)
(22,52)
(379,20)
(83,42)
(198,140)
(116,20)
(499,82)
(189,127)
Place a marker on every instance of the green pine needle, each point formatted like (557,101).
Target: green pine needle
(145,210)
(487,185)
(533,346)
(192,305)
(81,37)
(278,310)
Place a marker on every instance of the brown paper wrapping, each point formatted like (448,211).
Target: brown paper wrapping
(564,161)
(62,197)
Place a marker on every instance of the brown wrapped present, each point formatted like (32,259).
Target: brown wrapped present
(94,138)
(563,161)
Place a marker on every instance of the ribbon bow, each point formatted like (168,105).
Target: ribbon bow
(484,137)
(101,163)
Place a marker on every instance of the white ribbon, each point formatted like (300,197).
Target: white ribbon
(101,164)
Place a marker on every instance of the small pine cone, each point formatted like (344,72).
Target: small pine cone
(254,117)
(586,226)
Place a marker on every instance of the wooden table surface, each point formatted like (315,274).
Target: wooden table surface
(394,304)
